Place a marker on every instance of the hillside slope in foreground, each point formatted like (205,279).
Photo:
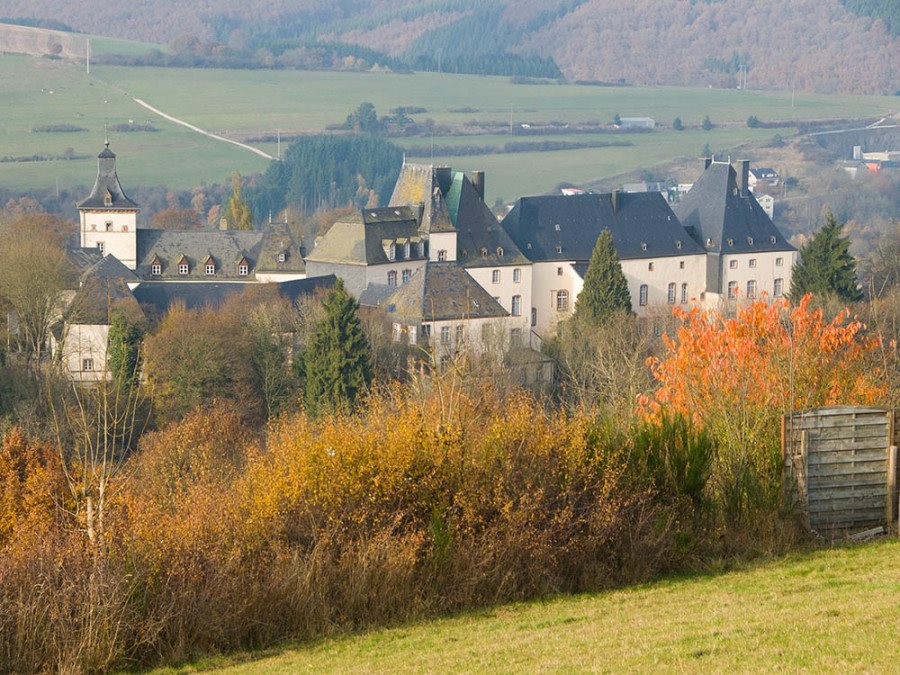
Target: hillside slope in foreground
(834,610)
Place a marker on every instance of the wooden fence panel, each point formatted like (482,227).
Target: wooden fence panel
(839,467)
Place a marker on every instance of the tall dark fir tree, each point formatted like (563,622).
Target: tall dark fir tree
(825,266)
(337,365)
(605,291)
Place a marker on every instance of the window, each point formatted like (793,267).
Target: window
(484,253)
(210,269)
(534,316)
(732,290)
(752,262)
(556,227)
(517,305)
(559,249)
(562,301)
(681,264)
(243,269)
(183,268)
(779,262)
(499,251)
(406,250)
(559,271)
(102,247)
(405,276)
(460,332)
(671,294)
(750,241)
(684,293)
(107,199)
(517,275)
(445,335)
(413,334)
(282,256)
(392,278)
(396,332)
(732,264)
(109,226)
(392,252)
(650,266)
(156,269)
(495,276)
(751,289)
(515,337)
(442,255)
(779,288)
(642,297)
(87,364)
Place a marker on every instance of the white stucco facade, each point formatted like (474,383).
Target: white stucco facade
(511,287)
(84,352)
(112,231)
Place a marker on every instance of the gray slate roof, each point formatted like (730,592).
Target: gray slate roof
(442,291)
(161,295)
(227,248)
(562,228)
(107,183)
(723,220)
(359,238)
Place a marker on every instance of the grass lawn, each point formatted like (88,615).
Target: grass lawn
(242,103)
(830,611)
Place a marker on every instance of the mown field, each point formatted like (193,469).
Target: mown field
(830,611)
(244,104)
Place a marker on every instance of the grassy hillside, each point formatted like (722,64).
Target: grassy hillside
(243,104)
(831,611)
(811,45)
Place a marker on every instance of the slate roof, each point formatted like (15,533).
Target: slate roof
(98,297)
(478,231)
(107,183)
(161,295)
(722,220)
(227,248)
(360,237)
(560,228)
(442,291)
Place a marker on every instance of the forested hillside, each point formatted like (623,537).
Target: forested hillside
(848,46)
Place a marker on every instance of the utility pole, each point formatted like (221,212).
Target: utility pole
(278,131)
(87,55)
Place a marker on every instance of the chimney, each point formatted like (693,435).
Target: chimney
(706,162)
(614,197)
(743,177)
(442,176)
(478,183)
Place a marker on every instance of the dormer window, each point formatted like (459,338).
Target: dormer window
(499,251)
(243,268)
(107,198)
(678,243)
(643,246)
(557,227)
(731,242)
(709,241)
(484,253)
(392,251)
(210,270)
(183,267)
(156,269)
(773,239)
(559,249)
(282,256)
(750,241)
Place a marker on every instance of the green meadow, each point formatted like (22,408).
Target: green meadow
(242,103)
(829,611)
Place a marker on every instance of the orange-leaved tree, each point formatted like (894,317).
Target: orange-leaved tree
(738,374)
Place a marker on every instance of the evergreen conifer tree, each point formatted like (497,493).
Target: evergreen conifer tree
(337,364)
(825,266)
(605,289)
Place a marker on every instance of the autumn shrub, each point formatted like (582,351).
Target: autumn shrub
(736,375)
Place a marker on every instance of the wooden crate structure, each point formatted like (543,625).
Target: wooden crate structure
(840,467)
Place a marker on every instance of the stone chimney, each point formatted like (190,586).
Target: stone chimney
(614,198)
(706,162)
(743,177)
(478,183)
(442,176)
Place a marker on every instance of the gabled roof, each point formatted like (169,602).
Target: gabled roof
(442,291)
(559,227)
(360,237)
(89,263)
(723,219)
(98,298)
(279,239)
(107,185)
(226,247)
